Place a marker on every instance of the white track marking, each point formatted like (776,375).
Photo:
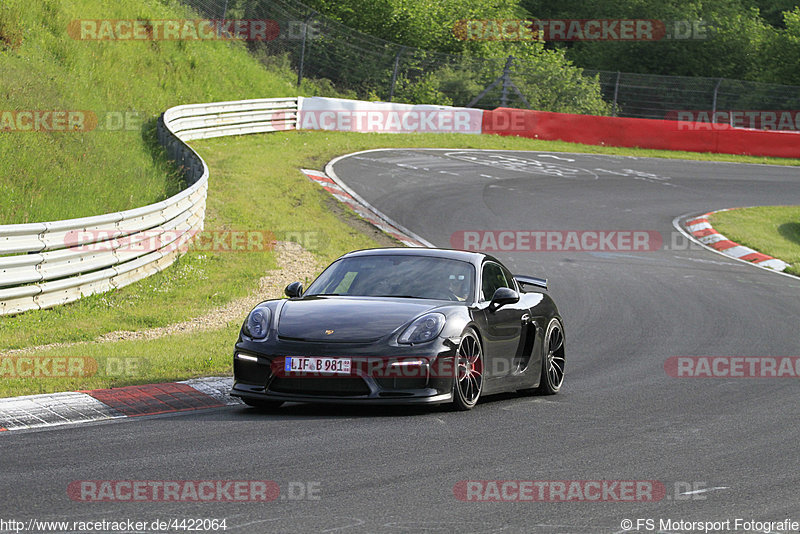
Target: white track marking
(696,492)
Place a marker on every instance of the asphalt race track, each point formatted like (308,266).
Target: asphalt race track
(721,448)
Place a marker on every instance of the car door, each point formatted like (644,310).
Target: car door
(503,325)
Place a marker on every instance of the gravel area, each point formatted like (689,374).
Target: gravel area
(294,263)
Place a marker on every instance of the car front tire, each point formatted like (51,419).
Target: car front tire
(553,359)
(469,371)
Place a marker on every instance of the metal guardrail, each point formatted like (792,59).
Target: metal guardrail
(50,263)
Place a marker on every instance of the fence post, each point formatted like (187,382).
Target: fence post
(714,103)
(394,72)
(303,48)
(616,94)
(506,80)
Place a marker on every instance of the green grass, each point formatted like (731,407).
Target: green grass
(123,363)
(772,230)
(59,175)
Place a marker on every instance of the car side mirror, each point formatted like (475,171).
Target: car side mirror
(503,296)
(295,289)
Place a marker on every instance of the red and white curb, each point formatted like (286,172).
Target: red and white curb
(344,195)
(49,410)
(702,230)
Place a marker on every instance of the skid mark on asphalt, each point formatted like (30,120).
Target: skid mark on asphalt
(702,260)
(620,255)
(294,521)
(527,403)
(321,524)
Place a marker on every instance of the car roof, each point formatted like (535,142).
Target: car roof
(462,255)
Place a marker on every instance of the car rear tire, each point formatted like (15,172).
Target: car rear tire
(469,371)
(553,359)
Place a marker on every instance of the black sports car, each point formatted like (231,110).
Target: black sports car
(402,325)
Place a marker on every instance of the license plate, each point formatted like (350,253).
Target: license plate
(318,365)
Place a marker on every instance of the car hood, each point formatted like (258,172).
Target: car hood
(347,319)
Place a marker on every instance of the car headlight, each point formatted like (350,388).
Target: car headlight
(257,324)
(423,329)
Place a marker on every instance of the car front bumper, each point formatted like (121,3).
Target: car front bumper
(422,374)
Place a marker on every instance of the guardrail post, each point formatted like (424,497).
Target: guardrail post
(714,102)
(303,47)
(506,81)
(394,72)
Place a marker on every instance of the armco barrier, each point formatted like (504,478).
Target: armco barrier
(44,264)
(322,113)
(644,133)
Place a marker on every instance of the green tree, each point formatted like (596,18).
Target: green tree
(772,10)
(732,41)
(547,79)
(784,51)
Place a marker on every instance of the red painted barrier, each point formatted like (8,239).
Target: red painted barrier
(644,133)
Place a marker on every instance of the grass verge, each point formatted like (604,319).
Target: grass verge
(50,173)
(105,365)
(772,230)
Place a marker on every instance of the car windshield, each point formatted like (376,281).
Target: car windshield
(403,276)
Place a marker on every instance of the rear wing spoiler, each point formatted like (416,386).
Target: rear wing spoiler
(530,281)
